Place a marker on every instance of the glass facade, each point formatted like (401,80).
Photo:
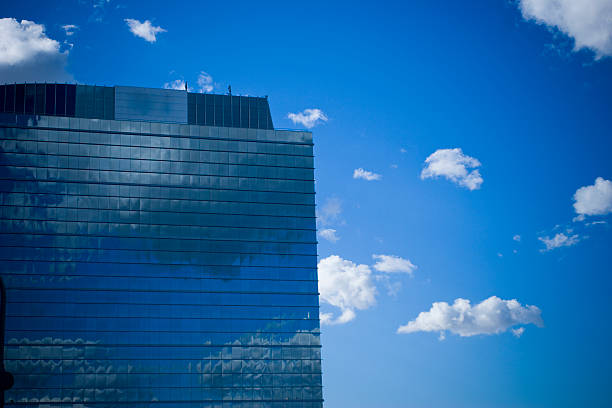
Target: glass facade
(134,103)
(153,264)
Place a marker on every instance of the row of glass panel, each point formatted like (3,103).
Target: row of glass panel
(166,166)
(38,143)
(166,359)
(68,402)
(201,360)
(266,339)
(9,184)
(130,209)
(125,381)
(132,366)
(46,200)
(45,398)
(104,250)
(157,217)
(157,324)
(153,128)
(164,142)
(42,174)
(160,311)
(130,283)
(57,270)
(54,151)
(148,243)
(159,297)
(131,228)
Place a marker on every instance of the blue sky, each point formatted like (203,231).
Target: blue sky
(480,130)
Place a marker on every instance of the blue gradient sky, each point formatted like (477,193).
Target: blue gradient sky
(397,82)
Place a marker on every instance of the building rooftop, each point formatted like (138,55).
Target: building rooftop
(134,103)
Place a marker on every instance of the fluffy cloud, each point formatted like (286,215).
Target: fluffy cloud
(366,175)
(594,200)
(393,264)
(329,234)
(345,285)
(144,30)
(455,166)
(491,316)
(177,84)
(588,22)
(27,54)
(558,241)
(308,118)
(517,238)
(205,82)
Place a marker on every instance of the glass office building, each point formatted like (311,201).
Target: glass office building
(158,249)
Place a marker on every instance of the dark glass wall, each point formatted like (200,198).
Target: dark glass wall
(82,101)
(159,105)
(228,110)
(158,265)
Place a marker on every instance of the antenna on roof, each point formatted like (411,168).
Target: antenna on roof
(185,85)
(229,90)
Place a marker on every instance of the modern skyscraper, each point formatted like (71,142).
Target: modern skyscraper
(158,249)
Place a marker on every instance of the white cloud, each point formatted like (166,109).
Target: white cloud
(177,84)
(27,54)
(394,166)
(594,200)
(402,150)
(366,175)
(558,241)
(329,234)
(144,30)
(393,264)
(589,224)
(23,41)
(205,82)
(454,165)
(330,212)
(70,29)
(588,22)
(517,238)
(518,332)
(345,285)
(308,117)
(491,316)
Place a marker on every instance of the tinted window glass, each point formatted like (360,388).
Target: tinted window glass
(30,95)
(19,98)
(98,102)
(252,112)
(70,100)
(210,109)
(191,108)
(2,94)
(39,109)
(200,110)
(218,102)
(235,111)
(227,110)
(109,103)
(60,99)
(244,112)
(50,99)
